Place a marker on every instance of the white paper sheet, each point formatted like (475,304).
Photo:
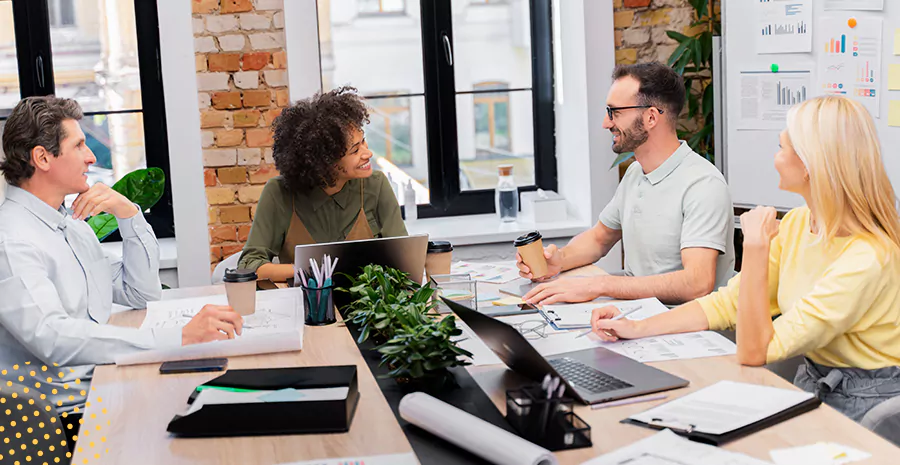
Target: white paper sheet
(220,396)
(851,62)
(667,448)
(471,433)
(724,406)
(784,26)
(766,97)
(820,453)
(494,273)
(872,5)
(276,326)
(577,316)
(393,459)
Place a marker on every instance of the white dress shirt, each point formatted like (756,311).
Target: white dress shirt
(56,293)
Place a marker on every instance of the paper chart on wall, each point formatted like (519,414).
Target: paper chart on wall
(871,5)
(851,63)
(784,26)
(766,97)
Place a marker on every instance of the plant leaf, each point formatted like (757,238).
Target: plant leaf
(622,157)
(103,225)
(144,187)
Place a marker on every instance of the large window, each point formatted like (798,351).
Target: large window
(477,92)
(104,54)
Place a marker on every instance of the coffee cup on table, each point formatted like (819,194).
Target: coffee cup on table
(531,247)
(240,287)
(437,261)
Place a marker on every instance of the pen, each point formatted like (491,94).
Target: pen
(617,317)
(635,400)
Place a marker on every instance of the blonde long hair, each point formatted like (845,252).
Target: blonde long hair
(835,137)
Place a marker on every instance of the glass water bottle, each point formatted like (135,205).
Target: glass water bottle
(506,200)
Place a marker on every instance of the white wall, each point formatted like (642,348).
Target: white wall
(185,155)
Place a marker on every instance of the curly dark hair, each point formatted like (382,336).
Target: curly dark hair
(313,135)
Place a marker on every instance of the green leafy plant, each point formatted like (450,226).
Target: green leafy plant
(693,60)
(398,315)
(144,187)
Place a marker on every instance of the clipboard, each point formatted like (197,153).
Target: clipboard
(688,430)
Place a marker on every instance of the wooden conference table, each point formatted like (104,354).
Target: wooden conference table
(132,406)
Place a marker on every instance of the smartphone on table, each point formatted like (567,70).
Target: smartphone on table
(193,366)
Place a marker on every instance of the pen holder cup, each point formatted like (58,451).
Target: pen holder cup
(318,305)
(551,424)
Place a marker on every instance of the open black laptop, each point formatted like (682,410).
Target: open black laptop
(592,375)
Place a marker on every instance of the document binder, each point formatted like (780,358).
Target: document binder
(281,417)
(686,429)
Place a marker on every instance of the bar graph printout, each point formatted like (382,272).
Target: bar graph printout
(784,26)
(850,60)
(766,97)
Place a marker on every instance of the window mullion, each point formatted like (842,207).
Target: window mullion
(543,95)
(33,47)
(440,102)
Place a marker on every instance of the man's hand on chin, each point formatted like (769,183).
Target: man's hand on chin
(101,198)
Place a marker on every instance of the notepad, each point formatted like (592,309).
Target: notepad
(722,408)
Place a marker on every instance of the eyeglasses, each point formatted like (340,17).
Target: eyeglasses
(531,329)
(610,111)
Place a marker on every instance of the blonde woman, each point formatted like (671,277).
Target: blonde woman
(830,269)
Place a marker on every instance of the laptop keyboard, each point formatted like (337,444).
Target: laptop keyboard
(585,377)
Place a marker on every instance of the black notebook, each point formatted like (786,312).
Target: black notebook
(726,411)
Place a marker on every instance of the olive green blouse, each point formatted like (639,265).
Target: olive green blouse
(327,218)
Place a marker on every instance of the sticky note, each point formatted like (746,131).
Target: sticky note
(514,300)
(897,41)
(894,77)
(894,114)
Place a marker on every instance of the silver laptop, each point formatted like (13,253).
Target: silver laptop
(406,253)
(592,375)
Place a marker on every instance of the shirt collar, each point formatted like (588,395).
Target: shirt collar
(668,166)
(52,218)
(318,197)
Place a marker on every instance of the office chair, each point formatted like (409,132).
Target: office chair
(35,427)
(884,420)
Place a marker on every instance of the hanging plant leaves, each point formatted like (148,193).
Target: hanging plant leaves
(103,225)
(144,187)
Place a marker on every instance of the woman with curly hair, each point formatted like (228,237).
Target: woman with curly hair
(327,190)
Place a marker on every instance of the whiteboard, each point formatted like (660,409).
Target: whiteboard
(748,155)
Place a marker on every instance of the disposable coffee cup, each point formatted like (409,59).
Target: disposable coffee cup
(531,248)
(240,287)
(437,261)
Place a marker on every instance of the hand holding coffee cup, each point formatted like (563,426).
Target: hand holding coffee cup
(535,262)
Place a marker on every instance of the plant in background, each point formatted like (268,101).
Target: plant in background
(693,60)
(144,187)
(398,315)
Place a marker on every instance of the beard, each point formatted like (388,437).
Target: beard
(631,138)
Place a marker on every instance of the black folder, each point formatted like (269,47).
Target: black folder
(724,438)
(264,418)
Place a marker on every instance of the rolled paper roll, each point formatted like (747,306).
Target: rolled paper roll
(471,433)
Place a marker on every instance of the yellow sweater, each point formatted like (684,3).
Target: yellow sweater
(839,302)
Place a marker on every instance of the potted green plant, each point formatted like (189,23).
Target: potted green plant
(398,315)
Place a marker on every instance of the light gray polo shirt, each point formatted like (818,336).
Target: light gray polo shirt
(684,203)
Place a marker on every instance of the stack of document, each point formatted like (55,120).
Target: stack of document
(578,316)
(276,326)
(213,395)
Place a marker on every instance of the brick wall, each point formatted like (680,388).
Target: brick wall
(242,83)
(641,27)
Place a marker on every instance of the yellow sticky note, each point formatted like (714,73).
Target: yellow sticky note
(894,113)
(511,300)
(894,77)
(896,41)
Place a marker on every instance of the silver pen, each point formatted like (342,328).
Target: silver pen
(624,313)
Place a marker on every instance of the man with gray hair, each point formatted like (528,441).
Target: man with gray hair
(57,286)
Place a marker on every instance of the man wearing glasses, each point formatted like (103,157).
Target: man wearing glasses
(672,210)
